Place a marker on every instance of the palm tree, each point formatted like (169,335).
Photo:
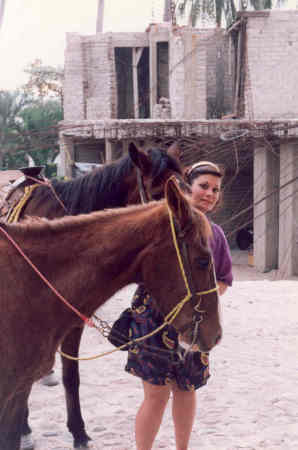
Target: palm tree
(223,8)
(196,9)
(167,15)
(100,15)
(261,4)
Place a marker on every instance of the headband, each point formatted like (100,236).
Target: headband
(204,167)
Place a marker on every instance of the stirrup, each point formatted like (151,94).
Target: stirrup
(27,442)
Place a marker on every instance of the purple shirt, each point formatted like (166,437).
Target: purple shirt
(221,255)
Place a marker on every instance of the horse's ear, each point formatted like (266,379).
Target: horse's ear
(140,159)
(178,203)
(174,150)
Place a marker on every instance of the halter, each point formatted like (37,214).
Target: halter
(183,261)
(142,191)
(146,196)
(184,264)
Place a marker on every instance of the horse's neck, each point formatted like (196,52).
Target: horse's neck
(93,261)
(114,194)
(121,257)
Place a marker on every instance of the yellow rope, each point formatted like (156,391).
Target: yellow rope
(170,317)
(15,213)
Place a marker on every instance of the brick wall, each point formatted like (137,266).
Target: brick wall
(272,43)
(201,73)
(200,84)
(176,75)
(220,74)
(99,69)
(73,86)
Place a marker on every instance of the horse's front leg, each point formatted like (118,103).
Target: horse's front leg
(26,429)
(71,381)
(11,421)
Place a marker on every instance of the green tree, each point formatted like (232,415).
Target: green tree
(37,135)
(12,104)
(44,81)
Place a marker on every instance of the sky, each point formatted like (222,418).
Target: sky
(34,29)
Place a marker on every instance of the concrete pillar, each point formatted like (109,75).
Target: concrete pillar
(110,151)
(153,74)
(266,183)
(67,155)
(125,145)
(136,56)
(288,210)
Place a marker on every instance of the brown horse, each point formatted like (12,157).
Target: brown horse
(138,248)
(123,182)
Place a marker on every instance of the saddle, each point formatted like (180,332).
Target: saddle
(12,188)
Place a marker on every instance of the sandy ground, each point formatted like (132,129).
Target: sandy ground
(250,402)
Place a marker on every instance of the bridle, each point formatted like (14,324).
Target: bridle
(178,236)
(184,263)
(147,196)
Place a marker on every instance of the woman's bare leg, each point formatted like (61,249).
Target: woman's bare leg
(149,416)
(183,410)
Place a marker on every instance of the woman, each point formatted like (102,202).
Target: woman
(161,363)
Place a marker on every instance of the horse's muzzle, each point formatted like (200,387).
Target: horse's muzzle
(197,341)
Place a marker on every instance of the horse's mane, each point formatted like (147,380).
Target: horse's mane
(41,225)
(103,187)
(37,227)
(93,191)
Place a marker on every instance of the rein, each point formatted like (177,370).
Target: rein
(88,321)
(46,182)
(170,317)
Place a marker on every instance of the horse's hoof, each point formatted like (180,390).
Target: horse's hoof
(82,443)
(27,442)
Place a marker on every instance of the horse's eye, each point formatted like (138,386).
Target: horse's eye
(203,262)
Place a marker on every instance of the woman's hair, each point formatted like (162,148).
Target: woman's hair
(202,168)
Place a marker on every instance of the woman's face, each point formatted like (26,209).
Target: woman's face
(205,191)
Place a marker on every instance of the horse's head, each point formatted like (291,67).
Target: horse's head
(186,273)
(153,168)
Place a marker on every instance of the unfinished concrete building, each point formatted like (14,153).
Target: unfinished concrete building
(226,95)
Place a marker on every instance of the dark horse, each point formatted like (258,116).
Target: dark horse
(139,248)
(118,184)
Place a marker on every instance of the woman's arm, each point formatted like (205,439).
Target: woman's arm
(222,258)
(222,287)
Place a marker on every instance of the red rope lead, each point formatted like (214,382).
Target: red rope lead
(46,182)
(88,321)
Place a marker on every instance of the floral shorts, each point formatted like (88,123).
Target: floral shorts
(159,359)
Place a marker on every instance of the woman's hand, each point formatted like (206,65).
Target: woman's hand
(222,287)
